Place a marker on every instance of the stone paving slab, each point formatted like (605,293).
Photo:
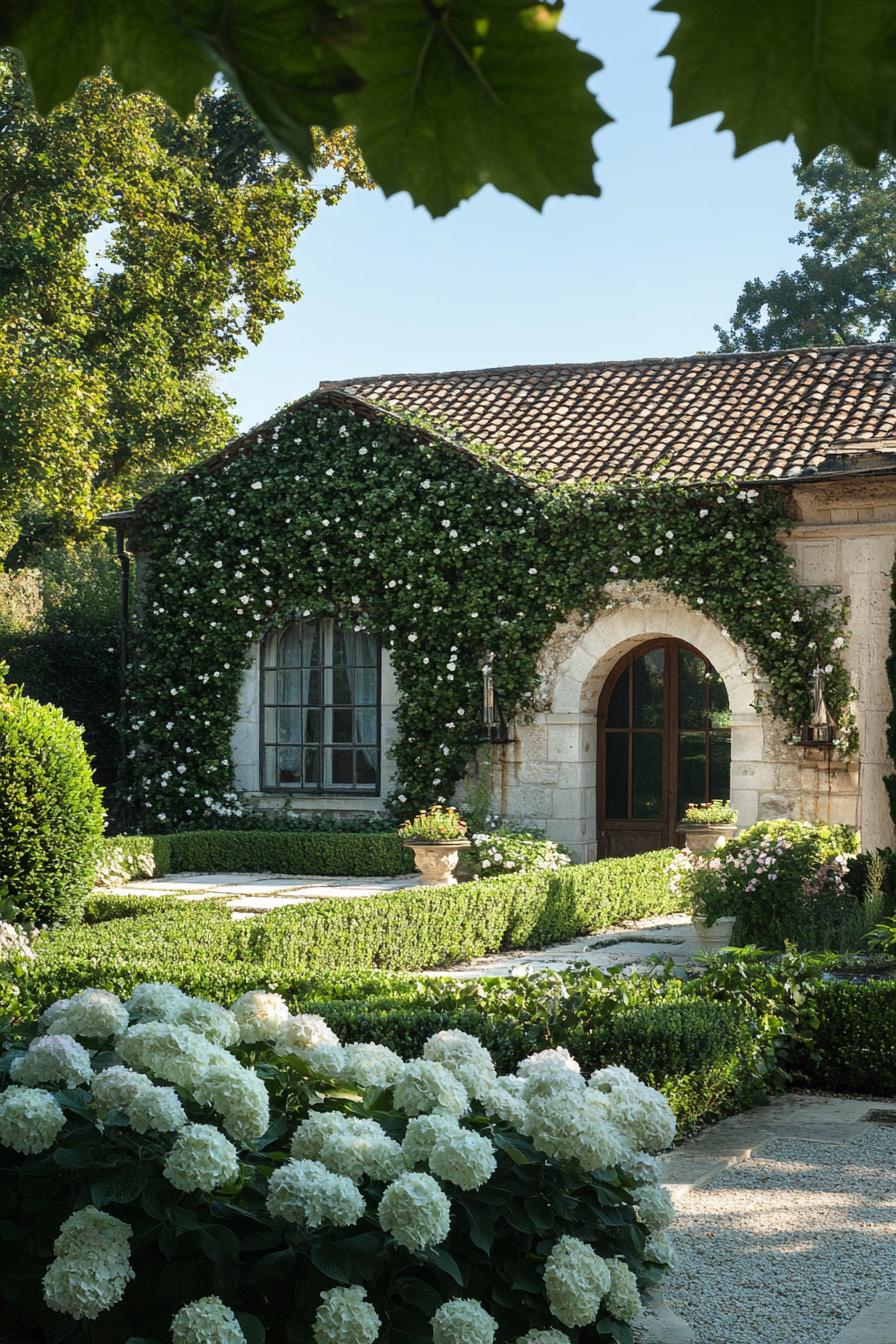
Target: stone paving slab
(736,1139)
(875,1324)
(648,939)
(254,893)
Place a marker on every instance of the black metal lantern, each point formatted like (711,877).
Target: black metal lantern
(821,730)
(492,718)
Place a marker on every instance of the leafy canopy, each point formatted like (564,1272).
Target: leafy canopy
(843,289)
(139,254)
(447,95)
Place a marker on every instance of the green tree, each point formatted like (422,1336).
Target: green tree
(842,290)
(139,255)
(447,95)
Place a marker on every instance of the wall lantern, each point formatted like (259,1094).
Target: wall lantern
(492,718)
(821,730)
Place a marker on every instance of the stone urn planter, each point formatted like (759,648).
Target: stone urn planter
(712,937)
(436,860)
(701,837)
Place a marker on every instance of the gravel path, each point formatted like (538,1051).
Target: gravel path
(788,1246)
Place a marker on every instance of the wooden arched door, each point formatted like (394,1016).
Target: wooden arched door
(664,741)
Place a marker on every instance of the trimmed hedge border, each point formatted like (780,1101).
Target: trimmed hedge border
(855,1039)
(326,854)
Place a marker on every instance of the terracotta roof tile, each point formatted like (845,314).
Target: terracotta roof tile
(765,414)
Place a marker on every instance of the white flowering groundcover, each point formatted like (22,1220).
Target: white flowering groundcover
(174,1170)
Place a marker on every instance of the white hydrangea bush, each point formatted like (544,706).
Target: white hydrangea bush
(229,1175)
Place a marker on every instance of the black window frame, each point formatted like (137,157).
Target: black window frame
(325,706)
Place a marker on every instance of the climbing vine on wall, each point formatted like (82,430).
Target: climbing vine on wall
(890,780)
(446,556)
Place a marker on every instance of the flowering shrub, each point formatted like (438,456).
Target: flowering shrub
(377,521)
(333,1193)
(783,880)
(434,825)
(508,850)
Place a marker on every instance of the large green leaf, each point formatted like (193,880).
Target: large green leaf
(147,46)
(464,92)
(821,70)
(282,57)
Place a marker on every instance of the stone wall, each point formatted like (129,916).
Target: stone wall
(843,535)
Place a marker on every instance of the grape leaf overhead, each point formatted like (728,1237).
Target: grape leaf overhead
(823,71)
(447,95)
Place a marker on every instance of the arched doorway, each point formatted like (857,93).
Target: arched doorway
(664,740)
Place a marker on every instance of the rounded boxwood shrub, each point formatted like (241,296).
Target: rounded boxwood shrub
(51,815)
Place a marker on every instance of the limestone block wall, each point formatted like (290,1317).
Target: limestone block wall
(844,535)
(244,746)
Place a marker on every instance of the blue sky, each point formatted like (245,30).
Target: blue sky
(644,269)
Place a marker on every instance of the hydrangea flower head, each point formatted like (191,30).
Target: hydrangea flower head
(415,1210)
(52,1059)
(345,1317)
(201,1159)
(575,1280)
(206,1321)
(463,1321)
(30,1119)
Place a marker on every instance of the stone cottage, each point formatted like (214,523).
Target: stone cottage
(650,704)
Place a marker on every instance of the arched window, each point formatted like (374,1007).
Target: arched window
(320,709)
(664,742)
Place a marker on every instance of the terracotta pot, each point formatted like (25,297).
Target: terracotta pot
(701,837)
(716,935)
(437,861)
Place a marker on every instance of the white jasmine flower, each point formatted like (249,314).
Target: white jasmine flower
(201,1159)
(259,1015)
(206,1321)
(156,1108)
(425,1086)
(463,1321)
(345,1317)
(575,1280)
(306,1194)
(30,1119)
(464,1158)
(415,1210)
(52,1059)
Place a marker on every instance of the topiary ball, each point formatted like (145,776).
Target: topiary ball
(51,814)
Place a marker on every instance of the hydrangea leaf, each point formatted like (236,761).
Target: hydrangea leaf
(458,94)
(823,71)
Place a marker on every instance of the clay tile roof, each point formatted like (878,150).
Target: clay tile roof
(772,413)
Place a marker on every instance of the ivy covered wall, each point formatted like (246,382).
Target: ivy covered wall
(447,555)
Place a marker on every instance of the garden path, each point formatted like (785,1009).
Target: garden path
(785,1221)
